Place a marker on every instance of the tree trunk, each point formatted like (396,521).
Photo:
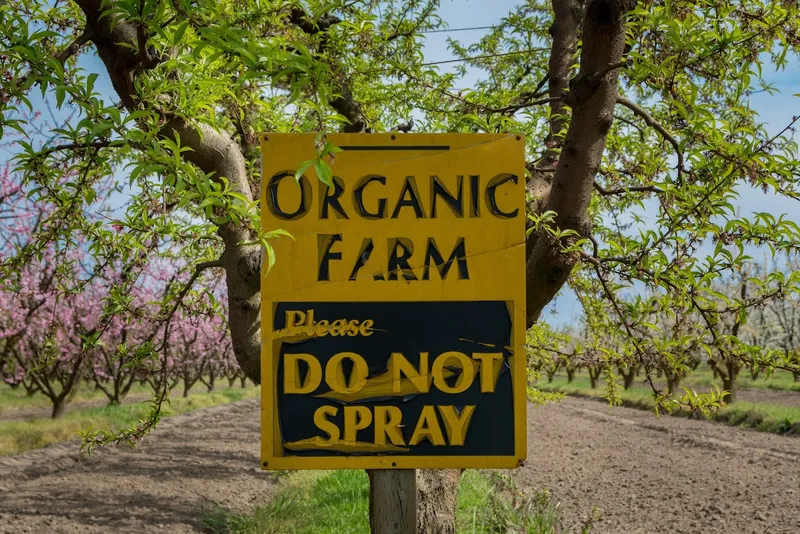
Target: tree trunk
(729,385)
(436,500)
(570,374)
(629,373)
(673,381)
(594,376)
(392,501)
(754,372)
(627,378)
(59,407)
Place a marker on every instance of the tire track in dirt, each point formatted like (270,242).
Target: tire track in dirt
(667,474)
(192,462)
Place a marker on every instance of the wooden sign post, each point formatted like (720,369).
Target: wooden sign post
(393,323)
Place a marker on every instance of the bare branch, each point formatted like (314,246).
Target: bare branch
(517,107)
(610,296)
(73,48)
(200,267)
(599,75)
(624,190)
(75,146)
(638,110)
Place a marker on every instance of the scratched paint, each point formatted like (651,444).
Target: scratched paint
(393,322)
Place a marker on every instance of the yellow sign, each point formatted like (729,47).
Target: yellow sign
(393,324)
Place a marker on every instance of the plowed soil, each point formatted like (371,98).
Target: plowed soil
(644,475)
(671,474)
(193,463)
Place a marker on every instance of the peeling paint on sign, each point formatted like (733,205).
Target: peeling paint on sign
(393,322)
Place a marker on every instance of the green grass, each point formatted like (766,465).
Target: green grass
(22,435)
(336,502)
(764,417)
(780,380)
(12,400)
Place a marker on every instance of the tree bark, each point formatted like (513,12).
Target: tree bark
(392,501)
(628,377)
(673,381)
(567,18)
(592,96)
(59,407)
(436,498)
(570,375)
(729,382)
(729,385)
(594,377)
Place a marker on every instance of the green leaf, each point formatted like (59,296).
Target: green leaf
(323,171)
(60,94)
(303,168)
(179,31)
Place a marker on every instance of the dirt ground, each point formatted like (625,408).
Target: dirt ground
(770,396)
(192,463)
(646,475)
(670,474)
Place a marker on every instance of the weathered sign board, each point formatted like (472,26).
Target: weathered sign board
(393,323)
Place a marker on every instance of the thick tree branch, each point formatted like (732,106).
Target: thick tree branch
(567,16)
(147,61)
(216,153)
(638,110)
(573,182)
(343,102)
(300,18)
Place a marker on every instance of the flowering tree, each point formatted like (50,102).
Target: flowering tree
(196,339)
(781,322)
(46,313)
(69,312)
